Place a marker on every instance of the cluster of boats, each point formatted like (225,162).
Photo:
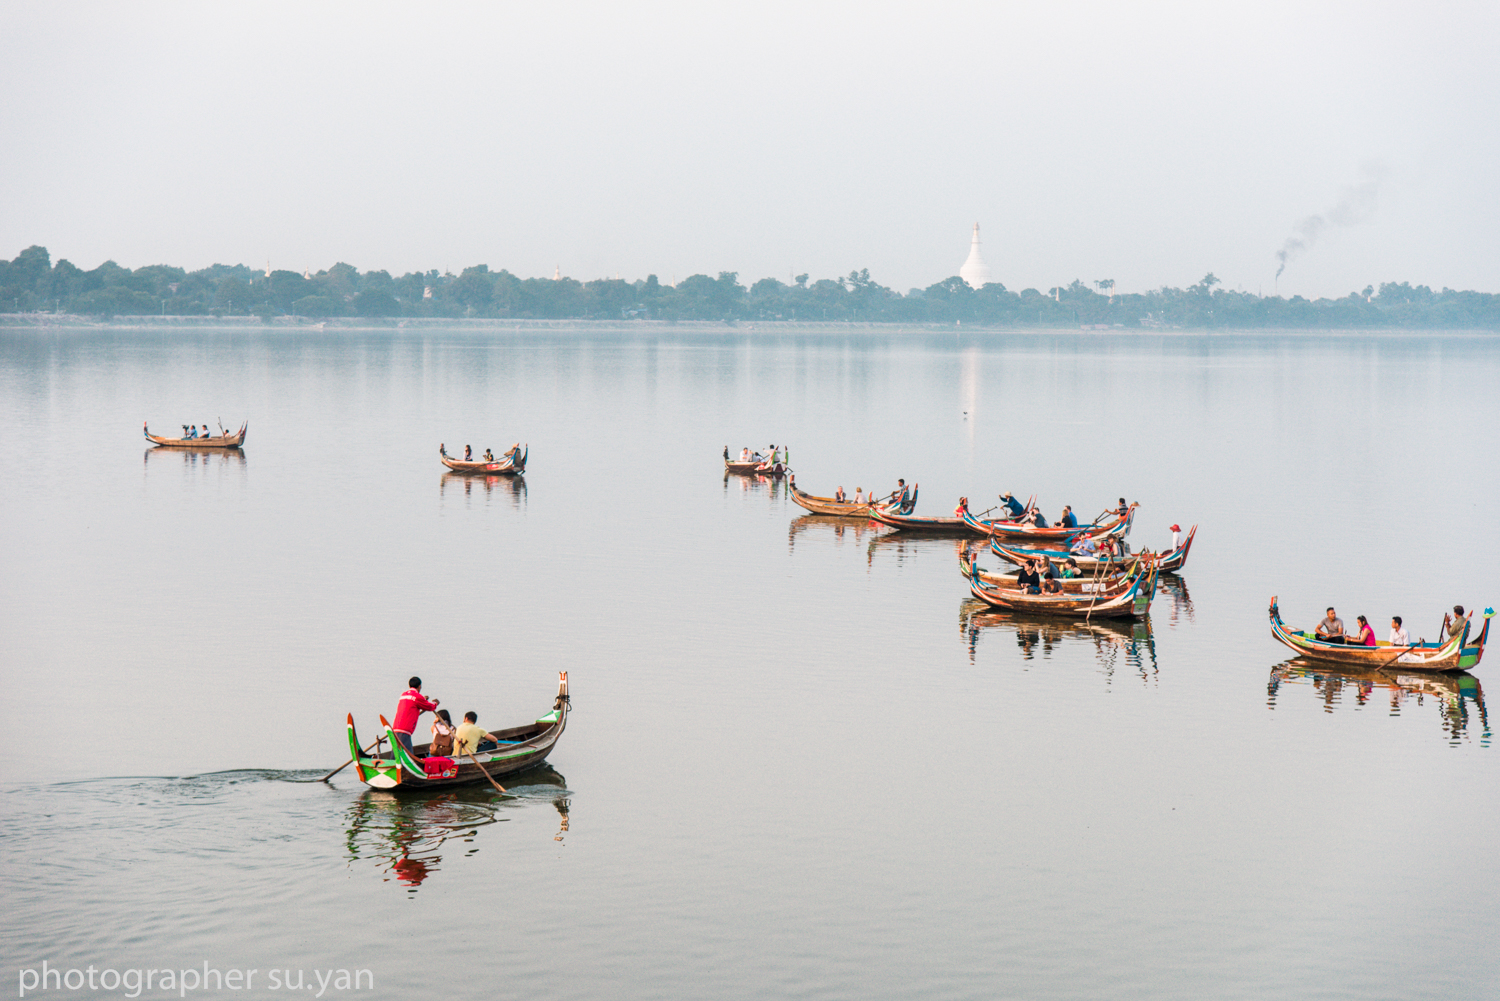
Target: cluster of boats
(1103,579)
(1082,570)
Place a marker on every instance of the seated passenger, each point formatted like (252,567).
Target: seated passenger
(1068,520)
(1047,569)
(1085,546)
(489,456)
(838,495)
(1070,570)
(1399,635)
(744,455)
(1038,519)
(471,738)
(442,735)
(1051,586)
(468,453)
(859,495)
(1366,635)
(963,505)
(1028,580)
(1459,622)
(1331,629)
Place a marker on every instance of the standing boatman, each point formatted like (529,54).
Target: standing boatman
(410,709)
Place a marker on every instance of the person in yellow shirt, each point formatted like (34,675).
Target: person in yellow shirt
(472,738)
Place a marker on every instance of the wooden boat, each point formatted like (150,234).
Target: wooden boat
(825,505)
(776,465)
(1453,653)
(1130,599)
(509,464)
(520,748)
(1170,561)
(1001,528)
(900,516)
(212,441)
(1088,584)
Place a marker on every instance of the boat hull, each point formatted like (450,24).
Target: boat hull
(826,505)
(1132,600)
(1171,561)
(755,468)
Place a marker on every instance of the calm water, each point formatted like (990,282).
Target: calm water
(802,763)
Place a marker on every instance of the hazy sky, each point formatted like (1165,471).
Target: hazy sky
(1145,142)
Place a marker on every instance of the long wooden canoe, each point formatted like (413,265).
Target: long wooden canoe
(1001,528)
(213,441)
(1170,561)
(1452,653)
(825,505)
(1131,599)
(509,464)
(520,747)
(777,464)
(1087,584)
(891,514)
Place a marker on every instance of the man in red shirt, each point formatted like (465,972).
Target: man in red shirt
(411,707)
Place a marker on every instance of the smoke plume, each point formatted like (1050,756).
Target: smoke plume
(1356,206)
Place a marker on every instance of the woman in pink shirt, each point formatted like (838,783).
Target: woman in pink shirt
(1366,635)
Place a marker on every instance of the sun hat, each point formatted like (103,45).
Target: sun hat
(1176,528)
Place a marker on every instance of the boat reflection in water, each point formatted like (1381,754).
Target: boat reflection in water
(1457,695)
(1172,588)
(1114,640)
(511,486)
(824,526)
(194,458)
(407,834)
(755,483)
(906,544)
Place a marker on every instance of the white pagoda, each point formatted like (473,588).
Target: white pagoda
(975,271)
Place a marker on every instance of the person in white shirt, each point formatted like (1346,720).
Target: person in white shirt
(859,495)
(1176,536)
(1398,635)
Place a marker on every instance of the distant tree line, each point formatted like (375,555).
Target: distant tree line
(32,282)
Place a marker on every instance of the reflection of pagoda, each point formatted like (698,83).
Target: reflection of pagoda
(975,272)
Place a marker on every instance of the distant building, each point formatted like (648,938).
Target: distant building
(975,271)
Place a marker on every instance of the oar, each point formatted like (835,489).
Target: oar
(347,763)
(1398,656)
(498,787)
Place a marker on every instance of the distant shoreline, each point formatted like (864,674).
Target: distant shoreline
(61,322)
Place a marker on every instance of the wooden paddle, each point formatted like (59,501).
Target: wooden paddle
(347,763)
(1398,656)
(498,787)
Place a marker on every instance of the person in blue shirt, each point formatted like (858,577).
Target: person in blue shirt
(194,432)
(1012,506)
(1068,520)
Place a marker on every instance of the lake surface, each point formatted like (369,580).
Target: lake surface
(801,763)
